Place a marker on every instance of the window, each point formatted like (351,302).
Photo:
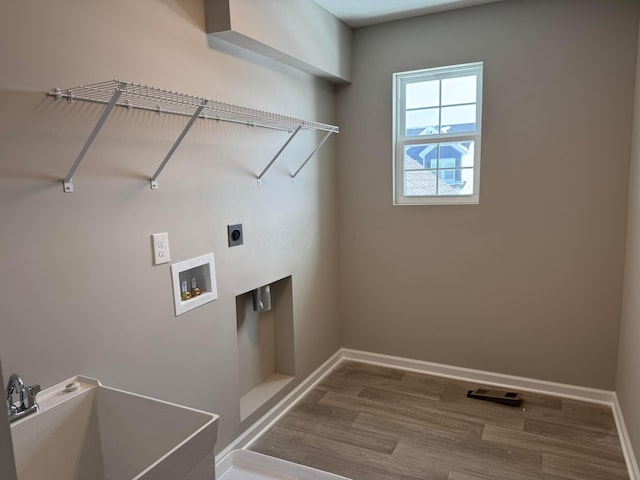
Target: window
(437,129)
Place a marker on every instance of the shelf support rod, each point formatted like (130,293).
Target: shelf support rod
(194,117)
(324,139)
(68,180)
(266,169)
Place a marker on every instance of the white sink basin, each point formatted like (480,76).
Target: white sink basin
(96,432)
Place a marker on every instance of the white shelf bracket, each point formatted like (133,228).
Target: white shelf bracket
(194,117)
(315,150)
(68,180)
(266,169)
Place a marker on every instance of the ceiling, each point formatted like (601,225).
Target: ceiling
(360,13)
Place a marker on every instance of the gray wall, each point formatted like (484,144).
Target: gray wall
(529,282)
(78,291)
(7,461)
(628,380)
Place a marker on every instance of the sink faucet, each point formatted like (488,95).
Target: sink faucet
(27,403)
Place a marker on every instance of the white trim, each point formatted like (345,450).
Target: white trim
(400,139)
(252,433)
(625,441)
(586,394)
(574,392)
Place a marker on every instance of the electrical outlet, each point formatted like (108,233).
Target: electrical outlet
(234,233)
(160,243)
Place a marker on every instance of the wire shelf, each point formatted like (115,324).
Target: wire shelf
(129,95)
(134,95)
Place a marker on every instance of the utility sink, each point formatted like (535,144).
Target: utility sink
(87,431)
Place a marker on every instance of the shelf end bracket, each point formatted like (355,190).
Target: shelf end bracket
(68,180)
(324,139)
(154,180)
(266,169)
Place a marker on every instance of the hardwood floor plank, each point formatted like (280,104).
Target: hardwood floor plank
(332,456)
(588,415)
(282,443)
(534,401)
(463,476)
(433,384)
(341,429)
(409,391)
(548,444)
(578,469)
(307,417)
(455,475)
(351,368)
(577,414)
(359,437)
(311,397)
(575,435)
(401,427)
(349,377)
(461,409)
(472,457)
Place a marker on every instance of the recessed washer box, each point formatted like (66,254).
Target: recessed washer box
(199,276)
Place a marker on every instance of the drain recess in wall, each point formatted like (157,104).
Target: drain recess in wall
(265,348)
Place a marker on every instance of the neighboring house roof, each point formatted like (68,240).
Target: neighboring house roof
(423,182)
(420,152)
(457,128)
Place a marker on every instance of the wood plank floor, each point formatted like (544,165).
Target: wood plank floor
(367,423)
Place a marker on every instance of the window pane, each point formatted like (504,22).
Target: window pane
(466,181)
(446,162)
(444,184)
(439,169)
(468,154)
(459,90)
(422,122)
(423,94)
(421,156)
(448,176)
(412,163)
(459,119)
(420,183)
(462,152)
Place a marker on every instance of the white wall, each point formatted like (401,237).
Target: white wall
(628,379)
(528,282)
(78,291)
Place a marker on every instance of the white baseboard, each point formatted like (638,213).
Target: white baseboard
(593,395)
(625,441)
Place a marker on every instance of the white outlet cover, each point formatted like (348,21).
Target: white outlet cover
(160,243)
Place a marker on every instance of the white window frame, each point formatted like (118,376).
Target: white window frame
(401,140)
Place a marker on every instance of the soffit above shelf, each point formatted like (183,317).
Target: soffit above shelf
(298,33)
